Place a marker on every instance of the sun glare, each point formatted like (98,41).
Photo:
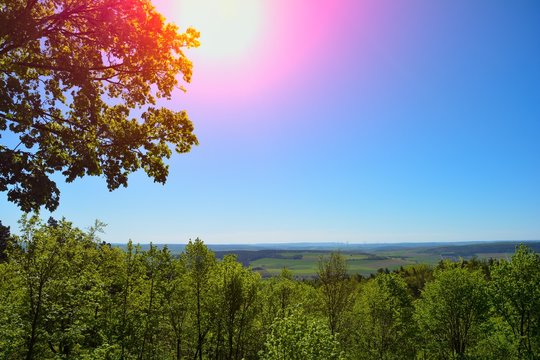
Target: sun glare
(230,29)
(251,47)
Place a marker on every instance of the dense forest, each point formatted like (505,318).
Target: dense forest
(64,294)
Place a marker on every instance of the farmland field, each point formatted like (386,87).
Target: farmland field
(366,260)
(306,264)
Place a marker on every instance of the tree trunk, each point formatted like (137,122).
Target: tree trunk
(35,320)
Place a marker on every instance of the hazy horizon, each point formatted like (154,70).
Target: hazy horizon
(328,243)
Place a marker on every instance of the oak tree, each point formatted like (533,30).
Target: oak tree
(56,301)
(515,293)
(79,80)
(335,288)
(200,262)
(385,326)
(237,291)
(451,311)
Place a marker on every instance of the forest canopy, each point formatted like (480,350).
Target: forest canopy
(66,294)
(79,81)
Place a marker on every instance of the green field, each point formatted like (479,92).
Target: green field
(307,265)
(304,263)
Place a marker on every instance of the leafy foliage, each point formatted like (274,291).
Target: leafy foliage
(297,337)
(516,298)
(385,326)
(451,309)
(335,289)
(73,75)
(5,240)
(58,288)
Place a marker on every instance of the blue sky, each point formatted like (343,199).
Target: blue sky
(418,121)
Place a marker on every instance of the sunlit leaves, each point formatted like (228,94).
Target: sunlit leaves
(451,311)
(384,324)
(335,289)
(516,297)
(299,337)
(73,75)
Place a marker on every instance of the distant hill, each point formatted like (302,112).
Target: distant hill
(470,250)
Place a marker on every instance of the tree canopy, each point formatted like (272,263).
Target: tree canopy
(79,80)
(65,294)
(516,296)
(451,311)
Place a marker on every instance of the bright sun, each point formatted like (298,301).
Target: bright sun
(249,47)
(230,29)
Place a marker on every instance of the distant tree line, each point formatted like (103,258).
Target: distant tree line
(64,294)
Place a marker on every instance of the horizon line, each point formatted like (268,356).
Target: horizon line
(338,243)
